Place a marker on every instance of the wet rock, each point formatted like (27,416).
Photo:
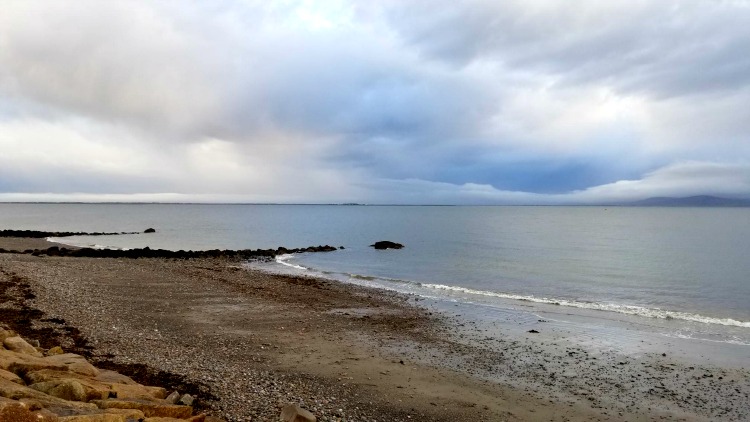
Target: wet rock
(386,244)
(294,413)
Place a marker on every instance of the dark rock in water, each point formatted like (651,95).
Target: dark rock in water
(386,244)
(534,331)
(150,230)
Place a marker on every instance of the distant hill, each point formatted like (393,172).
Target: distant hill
(691,201)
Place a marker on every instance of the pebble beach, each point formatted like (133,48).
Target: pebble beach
(246,343)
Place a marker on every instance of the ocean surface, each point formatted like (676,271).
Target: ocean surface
(677,272)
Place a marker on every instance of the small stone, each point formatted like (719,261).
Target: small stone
(187,400)
(294,413)
(173,398)
(57,350)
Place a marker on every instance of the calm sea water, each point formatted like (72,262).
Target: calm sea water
(688,265)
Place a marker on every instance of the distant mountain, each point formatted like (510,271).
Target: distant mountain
(691,201)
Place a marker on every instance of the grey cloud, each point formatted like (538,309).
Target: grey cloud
(662,48)
(469,98)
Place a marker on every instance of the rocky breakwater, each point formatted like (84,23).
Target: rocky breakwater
(53,386)
(164,253)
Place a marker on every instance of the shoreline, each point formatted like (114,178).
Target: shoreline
(336,340)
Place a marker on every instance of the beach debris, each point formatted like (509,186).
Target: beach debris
(293,413)
(150,230)
(386,244)
(532,331)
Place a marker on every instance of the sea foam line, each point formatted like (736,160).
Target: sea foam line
(611,307)
(282,259)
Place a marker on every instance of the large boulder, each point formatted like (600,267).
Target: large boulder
(20,363)
(294,413)
(66,389)
(10,376)
(74,363)
(149,408)
(386,244)
(6,332)
(19,345)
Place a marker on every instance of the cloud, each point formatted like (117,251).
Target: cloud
(678,180)
(476,101)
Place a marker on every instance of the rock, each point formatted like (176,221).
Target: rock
(533,331)
(10,376)
(112,377)
(20,363)
(11,410)
(57,350)
(149,408)
(96,417)
(187,400)
(198,418)
(74,363)
(14,391)
(107,384)
(173,398)
(66,389)
(150,230)
(5,333)
(386,244)
(294,413)
(19,345)
(124,391)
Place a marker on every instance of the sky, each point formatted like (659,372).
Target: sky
(381,102)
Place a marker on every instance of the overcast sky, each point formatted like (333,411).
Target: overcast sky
(477,102)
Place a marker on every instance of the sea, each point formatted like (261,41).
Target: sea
(616,276)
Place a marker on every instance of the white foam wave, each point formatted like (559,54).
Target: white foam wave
(611,307)
(282,259)
(733,340)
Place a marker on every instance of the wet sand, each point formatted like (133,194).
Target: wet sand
(251,341)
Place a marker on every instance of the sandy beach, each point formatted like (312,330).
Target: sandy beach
(246,342)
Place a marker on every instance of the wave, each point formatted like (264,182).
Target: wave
(282,259)
(611,307)
(635,310)
(64,241)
